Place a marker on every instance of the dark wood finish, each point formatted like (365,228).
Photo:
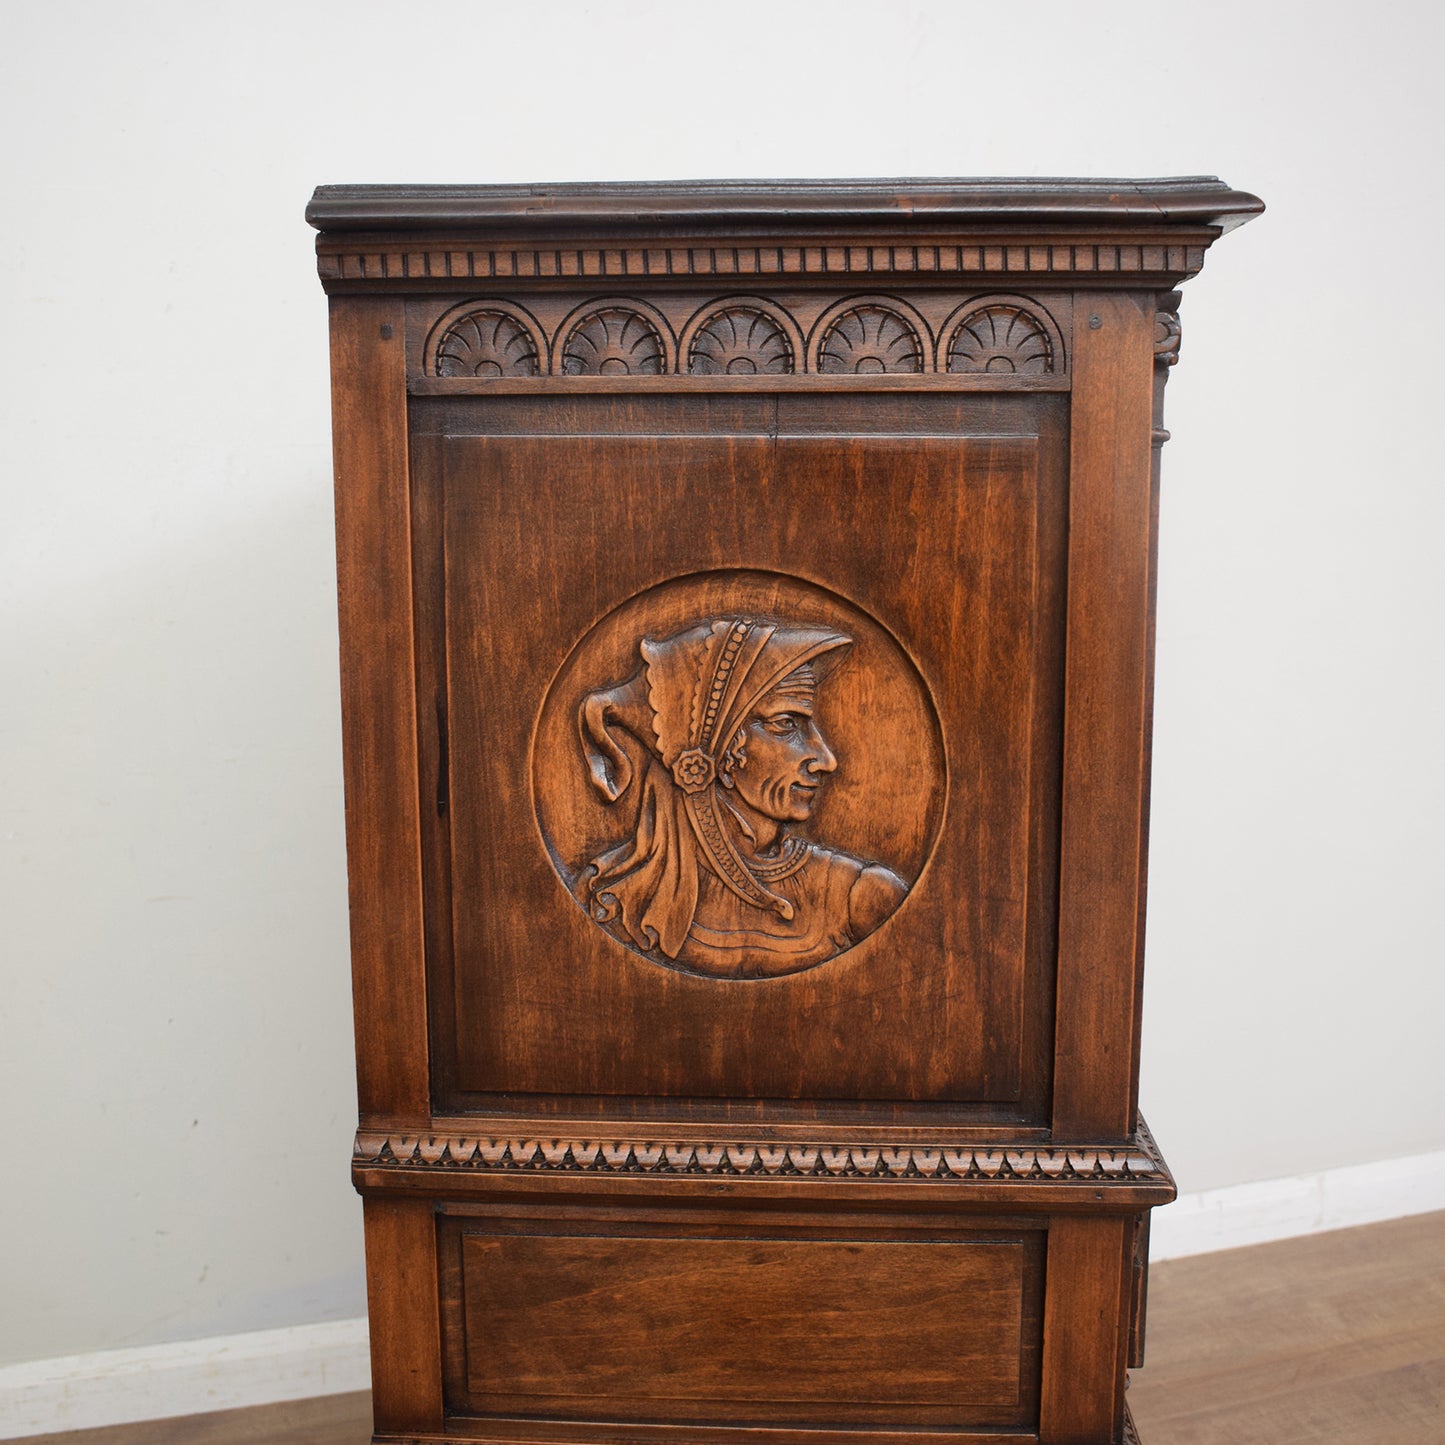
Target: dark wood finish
(1105,742)
(747,600)
(373,564)
(1172,201)
(882,1336)
(401,1289)
(967,968)
(1085,1323)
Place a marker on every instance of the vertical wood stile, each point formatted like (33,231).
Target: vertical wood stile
(378,707)
(1105,716)
(406,1368)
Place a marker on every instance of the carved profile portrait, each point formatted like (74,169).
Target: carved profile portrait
(714,754)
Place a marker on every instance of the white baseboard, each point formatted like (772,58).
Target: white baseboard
(1305,1204)
(119,1386)
(116,1387)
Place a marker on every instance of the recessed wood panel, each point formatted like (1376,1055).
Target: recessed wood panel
(938,720)
(677,1328)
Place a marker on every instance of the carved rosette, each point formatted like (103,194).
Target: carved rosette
(740,340)
(1001,338)
(487,342)
(870,339)
(614,341)
(1167,334)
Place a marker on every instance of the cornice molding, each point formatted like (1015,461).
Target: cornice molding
(897,232)
(788,204)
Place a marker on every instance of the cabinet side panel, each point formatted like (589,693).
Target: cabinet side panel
(545,543)
(378,706)
(1105,718)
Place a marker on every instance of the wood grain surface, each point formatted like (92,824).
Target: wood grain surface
(545,1000)
(673,1329)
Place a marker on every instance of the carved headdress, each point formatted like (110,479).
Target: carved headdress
(695,690)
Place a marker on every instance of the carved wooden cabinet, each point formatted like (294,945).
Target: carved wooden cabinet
(746,619)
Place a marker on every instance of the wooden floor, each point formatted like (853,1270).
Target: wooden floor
(1337,1339)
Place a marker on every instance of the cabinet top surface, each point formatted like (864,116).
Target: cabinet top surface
(1182,201)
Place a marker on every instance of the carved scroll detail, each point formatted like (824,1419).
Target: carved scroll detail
(870,338)
(1167,335)
(1002,1162)
(614,340)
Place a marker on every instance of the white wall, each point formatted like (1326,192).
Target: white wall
(176,1065)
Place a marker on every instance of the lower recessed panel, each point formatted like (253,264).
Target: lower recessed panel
(737,1330)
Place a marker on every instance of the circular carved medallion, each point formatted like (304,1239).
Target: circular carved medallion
(738,775)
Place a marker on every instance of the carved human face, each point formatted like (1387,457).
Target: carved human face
(785,759)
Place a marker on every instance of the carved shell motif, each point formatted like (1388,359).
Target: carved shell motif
(487,343)
(1001,338)
(740,341)
(613,342)
(868,340)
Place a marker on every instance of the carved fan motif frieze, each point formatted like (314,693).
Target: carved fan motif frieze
(1001,338)
(614,341)
(740,340)
(1006,338)
(487,342)
(868,340)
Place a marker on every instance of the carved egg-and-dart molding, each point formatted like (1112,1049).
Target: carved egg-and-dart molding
(740,341)
(870,339)
(1003,339)
(487,342)
(614,341)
